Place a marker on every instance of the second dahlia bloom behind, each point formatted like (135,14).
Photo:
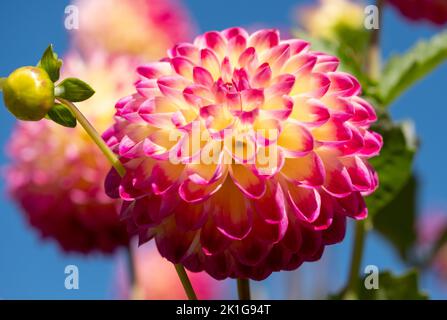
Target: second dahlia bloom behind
(143,28)
(56,174)
(434,11)
(244,153)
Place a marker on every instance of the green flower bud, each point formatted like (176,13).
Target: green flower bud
(28,93)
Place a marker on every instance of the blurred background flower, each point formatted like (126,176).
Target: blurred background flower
(144,28)
(156,279)
(432,235)
(326,18)
(67,202)
(56,174)
(434,11)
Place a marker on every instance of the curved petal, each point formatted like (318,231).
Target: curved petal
(190,217)
(202,77)
(295,140)
(154,70)
(210,62)
(172,243)
(300,63)
(306,202)
(211,240)
(310,111)
(231,217)
(264,39)
(183,67)
(338,182)
(247,181)
(195,193)
(314,84)
(354,206)
(359,173)
(336,232)
(165,175)
(334,131)
(344,84)
(307,170)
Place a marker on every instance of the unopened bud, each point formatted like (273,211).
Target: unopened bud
(28,93)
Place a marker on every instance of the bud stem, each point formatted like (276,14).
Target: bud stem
(185,282)
(243,289)
(373,69)
(91,131)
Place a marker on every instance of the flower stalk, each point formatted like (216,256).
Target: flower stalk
(94,135)
(185,281)
(373,67)
(243,289)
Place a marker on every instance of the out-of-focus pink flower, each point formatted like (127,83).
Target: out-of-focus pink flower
(244,153)
(145,28)
(156,279)
(56,174)
(431,227)
(434,11)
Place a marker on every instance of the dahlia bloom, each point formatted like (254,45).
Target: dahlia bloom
(156,279)
(324,19)
(430,229)
(145,28)
(244,153)
(56,174)
(434,11)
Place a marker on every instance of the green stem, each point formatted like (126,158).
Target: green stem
(356,260)
(243,289)
(373,69)
(91,131)
(373,59)
(185,282)
(133,280)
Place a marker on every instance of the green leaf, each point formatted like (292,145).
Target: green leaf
(62,115)
(396,221)
(74,90)
(50,63)
(390,287)
(402,71)
(394,164)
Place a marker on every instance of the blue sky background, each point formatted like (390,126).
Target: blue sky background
(30,268)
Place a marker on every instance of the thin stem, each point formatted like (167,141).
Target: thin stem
(185,282)
(91,131)
(243,289)
(373,59)
(373,69)
(356,260)
(130,264)
(135,293)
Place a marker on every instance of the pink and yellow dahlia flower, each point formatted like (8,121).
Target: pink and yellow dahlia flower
(434,11)
(244,153)
(145,28)
(56,174)
(156,279)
